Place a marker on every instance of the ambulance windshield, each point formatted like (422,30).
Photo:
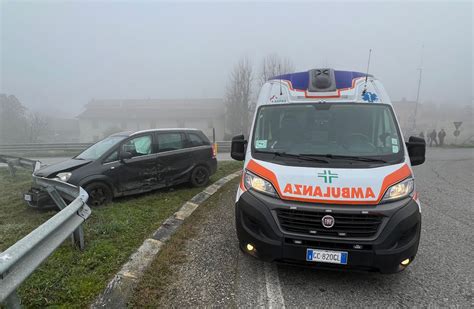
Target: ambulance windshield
(330,130)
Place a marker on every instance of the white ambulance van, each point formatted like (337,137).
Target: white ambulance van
(327,178)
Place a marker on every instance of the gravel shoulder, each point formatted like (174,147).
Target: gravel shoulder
(197,267)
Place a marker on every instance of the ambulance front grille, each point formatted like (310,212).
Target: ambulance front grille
(346,225)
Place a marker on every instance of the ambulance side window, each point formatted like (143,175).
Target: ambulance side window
(384,131)
(260,143)
(379,130)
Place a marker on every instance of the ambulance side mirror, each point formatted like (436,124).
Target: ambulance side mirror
(416,150)
(237,148)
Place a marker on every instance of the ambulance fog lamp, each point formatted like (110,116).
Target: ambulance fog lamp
(405,262)
(259,184)
(399,190)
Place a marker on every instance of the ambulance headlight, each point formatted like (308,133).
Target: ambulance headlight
(399,190)
(259,184)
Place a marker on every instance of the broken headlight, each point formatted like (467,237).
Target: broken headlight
(64,177)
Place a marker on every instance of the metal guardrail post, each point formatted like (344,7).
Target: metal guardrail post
(12,162)
(54,194)
(11,168)
(77,236)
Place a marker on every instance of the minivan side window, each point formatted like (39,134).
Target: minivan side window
(170,141)
(195,140)
(138,146)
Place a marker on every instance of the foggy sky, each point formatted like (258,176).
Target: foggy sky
(59,55)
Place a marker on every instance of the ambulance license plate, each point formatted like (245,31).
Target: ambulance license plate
(27,197)
(326,256)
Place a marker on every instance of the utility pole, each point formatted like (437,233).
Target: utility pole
(420,69)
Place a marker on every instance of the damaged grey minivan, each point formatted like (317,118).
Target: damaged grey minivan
(129,163)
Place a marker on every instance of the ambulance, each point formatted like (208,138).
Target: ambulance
(327,178)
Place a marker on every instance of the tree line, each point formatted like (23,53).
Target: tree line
(243,86)
(17,123)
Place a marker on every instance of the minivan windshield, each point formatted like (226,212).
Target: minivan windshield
(328,131)
(98,149)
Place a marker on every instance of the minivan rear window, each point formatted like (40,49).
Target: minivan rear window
(170,141)
(195,140)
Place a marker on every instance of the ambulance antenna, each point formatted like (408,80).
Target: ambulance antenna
(279,73)
(367,74)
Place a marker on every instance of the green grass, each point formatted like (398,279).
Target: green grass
(69,277)
(16,219)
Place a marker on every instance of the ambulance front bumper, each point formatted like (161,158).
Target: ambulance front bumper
(260,222)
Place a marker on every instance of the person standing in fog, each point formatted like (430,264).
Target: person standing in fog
(441,136)
(422,135)
(433,138)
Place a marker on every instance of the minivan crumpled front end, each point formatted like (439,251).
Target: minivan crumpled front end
(37,196)
(378,239)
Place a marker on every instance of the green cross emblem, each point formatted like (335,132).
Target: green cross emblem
(328,176)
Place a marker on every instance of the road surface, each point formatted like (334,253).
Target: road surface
(218,274)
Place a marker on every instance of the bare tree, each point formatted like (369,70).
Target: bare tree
(273,65)
(12,119)
(238,96)
(36,125)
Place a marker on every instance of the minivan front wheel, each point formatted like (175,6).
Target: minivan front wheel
(200,176)
(99,194)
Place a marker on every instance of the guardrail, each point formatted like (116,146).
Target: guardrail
(13,162)
(222,146)
(22,258)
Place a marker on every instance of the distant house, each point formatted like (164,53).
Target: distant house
(60,130)
(104,117)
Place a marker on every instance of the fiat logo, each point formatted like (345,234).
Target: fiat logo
(328,221)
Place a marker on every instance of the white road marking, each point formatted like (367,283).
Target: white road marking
(272,282)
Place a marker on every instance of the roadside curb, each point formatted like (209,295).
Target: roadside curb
(120,288)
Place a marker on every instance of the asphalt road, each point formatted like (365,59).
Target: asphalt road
(217,273)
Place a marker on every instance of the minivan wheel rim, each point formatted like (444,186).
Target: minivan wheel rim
(200,176)
(98,197)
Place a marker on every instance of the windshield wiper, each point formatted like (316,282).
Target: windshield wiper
(354,158)
(296,156)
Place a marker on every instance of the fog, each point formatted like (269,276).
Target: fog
(56,56)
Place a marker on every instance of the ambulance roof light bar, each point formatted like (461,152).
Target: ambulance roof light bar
(321,80)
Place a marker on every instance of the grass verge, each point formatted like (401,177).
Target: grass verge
(69,277)
(153,284)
